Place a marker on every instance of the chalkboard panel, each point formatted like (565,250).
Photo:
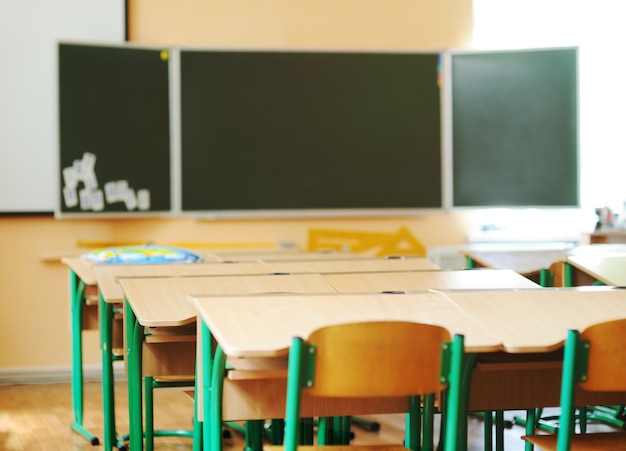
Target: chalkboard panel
(309,130)
(114,129)
(515,128)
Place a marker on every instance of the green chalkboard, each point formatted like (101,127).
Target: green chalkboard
(114,129)
(515,128)
(292,130)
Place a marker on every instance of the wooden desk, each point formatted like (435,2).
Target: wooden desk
(83,316)
(393,281)
(527,263)
(112,294)
(592,268)
(532,263)
(226,256)
(493,321)
(160,304)
(531,325)
(282,317)
(107,276)
(352,265)
(611,236)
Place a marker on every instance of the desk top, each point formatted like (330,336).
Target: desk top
(82,268)
(156,300)
(353,264)
(532,261)
(517,321)
(263,326)
(161,302)
(610,269)
(373,282)
(281,255)
(107,275)
(538,320)
(523,262)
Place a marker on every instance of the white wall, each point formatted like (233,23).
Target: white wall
(29,31)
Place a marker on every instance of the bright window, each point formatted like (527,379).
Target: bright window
(597,28)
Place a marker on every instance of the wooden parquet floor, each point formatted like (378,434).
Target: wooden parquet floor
(37,417)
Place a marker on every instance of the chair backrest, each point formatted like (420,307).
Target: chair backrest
(606,367)
(374,359)
(594,360)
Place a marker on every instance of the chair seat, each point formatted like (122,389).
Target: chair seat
(614,441)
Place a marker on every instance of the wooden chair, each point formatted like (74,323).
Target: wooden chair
(594,360)
(375,359)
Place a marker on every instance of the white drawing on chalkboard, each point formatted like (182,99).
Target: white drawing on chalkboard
(143,199)
(110,192)
(70,197)
(131,199)
(81,188)
(97,200)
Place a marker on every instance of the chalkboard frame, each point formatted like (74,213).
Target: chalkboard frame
(471,159)
(100,172)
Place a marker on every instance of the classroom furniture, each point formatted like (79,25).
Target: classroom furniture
(162,301)
(159,305)
(595,360)
(112,299)
(83,316)
(112,295)
(592,268)
(248,263)
(374,359)
(561,309)
(608,237)
(491,320)
(281,255)
(351,265)
(531,264)
(306,313)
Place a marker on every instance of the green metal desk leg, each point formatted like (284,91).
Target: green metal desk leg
(108,394)
(134,339)
(254,435)
(499,414)
(148,398)
(461,428)
(456,427)
(213,396)
(77,302)
(197,424)
(568,275)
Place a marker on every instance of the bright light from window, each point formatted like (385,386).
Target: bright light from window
(596,27)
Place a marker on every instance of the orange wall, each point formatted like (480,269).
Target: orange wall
(370,24)
(34,306)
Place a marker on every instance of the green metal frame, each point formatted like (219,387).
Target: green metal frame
(575,361)
(77,303)
(135,334)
